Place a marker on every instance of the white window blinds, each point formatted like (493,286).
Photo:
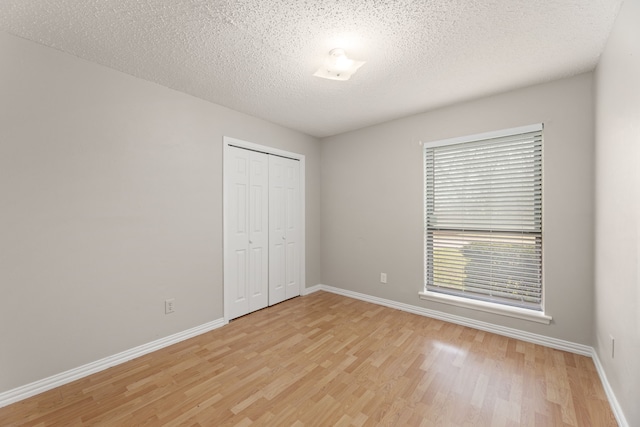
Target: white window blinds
(483,218)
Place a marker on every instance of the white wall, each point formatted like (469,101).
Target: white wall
(111,194)
(372,201)
(617,238)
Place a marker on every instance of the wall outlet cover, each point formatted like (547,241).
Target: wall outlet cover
(169,306)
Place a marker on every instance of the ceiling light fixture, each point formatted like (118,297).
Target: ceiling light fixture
(338,66)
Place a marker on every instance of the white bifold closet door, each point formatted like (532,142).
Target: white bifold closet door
(284,229)
(262,230)
(247,216)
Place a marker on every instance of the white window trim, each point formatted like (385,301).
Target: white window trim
(485,135)
(488,307)
(478,305)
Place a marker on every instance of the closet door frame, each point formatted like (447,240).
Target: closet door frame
(227,143)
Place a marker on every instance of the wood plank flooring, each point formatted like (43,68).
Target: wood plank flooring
(328,360)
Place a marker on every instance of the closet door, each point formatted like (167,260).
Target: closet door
(246,231)
(284,229)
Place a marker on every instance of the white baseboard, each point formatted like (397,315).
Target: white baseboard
(312,289)
(558,344)
(40,386)
(615,405)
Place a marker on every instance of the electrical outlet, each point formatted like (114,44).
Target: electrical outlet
(169,306)
(613,346)
(383,277)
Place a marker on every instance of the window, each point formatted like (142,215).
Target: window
(483,218)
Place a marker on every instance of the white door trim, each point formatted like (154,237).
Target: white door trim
(228,141)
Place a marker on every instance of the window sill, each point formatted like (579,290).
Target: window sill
(518,313)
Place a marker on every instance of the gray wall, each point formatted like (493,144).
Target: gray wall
(111,202)
(617,277)
(372,201)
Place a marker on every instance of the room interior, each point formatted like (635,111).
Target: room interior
(112,156)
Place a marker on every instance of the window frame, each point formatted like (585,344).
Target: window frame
(535,315)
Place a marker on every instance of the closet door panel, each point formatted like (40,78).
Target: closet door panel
(236,267)
(246,232)
(284,211)
(292,227)
(259,231)
(277,242)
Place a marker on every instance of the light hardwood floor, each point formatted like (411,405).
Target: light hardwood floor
(328,360)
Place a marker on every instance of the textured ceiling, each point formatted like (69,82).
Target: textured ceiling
(259,56)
